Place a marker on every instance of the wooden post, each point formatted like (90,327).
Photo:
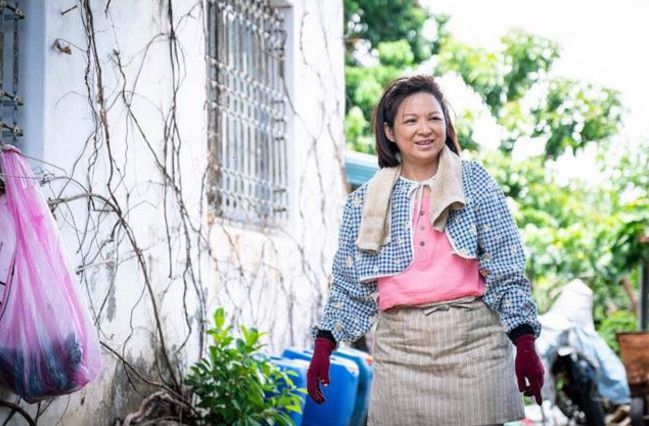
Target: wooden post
(644,289)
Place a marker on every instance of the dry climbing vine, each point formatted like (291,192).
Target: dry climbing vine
(99,197)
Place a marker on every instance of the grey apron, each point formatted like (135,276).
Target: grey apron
(447,363)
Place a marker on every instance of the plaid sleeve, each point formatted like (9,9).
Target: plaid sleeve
(502,257)
(351,308)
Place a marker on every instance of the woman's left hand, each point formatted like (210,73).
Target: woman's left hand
(528,366)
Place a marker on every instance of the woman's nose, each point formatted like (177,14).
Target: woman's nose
(425,129)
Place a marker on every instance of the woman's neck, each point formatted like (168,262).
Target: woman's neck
(419,172)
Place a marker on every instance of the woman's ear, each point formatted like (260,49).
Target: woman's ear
(388,132)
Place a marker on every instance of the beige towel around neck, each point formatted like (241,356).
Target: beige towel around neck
(446,194)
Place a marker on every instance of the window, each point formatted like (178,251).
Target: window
(247,111)
(9,70)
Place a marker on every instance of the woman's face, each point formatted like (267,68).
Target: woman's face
(419,129)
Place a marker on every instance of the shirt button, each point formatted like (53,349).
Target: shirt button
(422,227)
(421,243)
(421,213)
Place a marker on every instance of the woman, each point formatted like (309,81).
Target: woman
(429,251)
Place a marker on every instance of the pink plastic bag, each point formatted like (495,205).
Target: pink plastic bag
(48,346)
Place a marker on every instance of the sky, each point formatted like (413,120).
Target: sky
(604,42)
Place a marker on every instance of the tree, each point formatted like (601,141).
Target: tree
(567,116)
(574,114)
(364,85)
(377,21)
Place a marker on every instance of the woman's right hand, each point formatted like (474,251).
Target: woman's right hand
(318,371)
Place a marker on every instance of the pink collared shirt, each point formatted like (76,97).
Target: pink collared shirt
(436,274)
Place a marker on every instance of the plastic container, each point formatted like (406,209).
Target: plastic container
(300,367)
(340,395)
(364,362)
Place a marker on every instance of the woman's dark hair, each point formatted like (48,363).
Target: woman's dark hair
(386,112)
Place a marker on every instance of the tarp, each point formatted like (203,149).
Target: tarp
(569,323)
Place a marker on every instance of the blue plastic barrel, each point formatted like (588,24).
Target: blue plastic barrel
(364,362)
(340,395)
(299,366)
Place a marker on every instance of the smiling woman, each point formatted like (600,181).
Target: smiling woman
(419,130)
(411,126)
(430,253)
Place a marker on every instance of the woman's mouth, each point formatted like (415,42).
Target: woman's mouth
(424,143)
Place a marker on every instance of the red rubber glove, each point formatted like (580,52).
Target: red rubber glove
(528,366)
(318,371)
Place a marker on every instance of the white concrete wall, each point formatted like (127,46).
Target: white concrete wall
(274,279)
(285,271)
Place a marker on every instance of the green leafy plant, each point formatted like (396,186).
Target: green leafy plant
(617,322)
(235,384)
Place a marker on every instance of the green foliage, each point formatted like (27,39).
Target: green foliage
(362,83)
(527,58)
(357,133)
(616,322)
(464,129)
(626,191)
(517,123)
(502,76)
(574,114)
(569,115)
(480,69)
(627,250)
(366,93)
(379,21)
(236,385)
(442,34)
(364,86)
(396,54)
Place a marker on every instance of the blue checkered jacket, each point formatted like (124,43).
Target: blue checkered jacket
(484,229)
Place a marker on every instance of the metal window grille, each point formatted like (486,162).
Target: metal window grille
(11,15)
(247,116)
